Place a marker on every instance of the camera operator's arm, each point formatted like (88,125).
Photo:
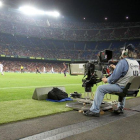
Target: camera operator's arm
(120,71)
(105,80)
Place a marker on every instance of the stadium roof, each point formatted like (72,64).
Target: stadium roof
(91,10)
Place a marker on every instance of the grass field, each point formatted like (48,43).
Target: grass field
(16,92)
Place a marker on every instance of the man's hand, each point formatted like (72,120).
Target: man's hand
(104,80)
(112,66)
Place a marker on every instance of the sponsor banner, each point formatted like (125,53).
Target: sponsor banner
(38,57)
(64,59)
(32,57)
(22,57)
(2,55)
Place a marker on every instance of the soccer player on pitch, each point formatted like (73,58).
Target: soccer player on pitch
(64,69)
(21,69)
(1,68)
(44,69)
(52,70)
(37,70)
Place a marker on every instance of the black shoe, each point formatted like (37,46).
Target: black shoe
(91,114)
(118,111)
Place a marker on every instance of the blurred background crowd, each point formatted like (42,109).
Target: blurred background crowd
(23,36)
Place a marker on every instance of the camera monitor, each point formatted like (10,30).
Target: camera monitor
(77,68)
(105,56)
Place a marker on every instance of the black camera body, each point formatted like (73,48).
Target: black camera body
(93,75)
(92,70)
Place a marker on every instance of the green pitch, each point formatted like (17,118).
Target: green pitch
(16,92)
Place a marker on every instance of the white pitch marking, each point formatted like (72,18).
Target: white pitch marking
(41,86)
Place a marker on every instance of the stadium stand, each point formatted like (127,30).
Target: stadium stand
(25,37)
(64,30)
(35,47)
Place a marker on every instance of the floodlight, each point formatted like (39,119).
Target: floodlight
(1,4)
(54,14)
(29,10)
(127,17)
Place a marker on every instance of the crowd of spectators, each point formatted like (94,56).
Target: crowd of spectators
(14,66)
(16,16)
(16,23)
(34,47)
(23,36)
(19,46)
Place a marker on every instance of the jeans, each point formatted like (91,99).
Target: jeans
(99,95)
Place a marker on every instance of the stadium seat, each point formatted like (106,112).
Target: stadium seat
(131,89)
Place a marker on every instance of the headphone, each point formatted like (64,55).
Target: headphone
(126,49)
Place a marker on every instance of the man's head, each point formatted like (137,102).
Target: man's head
(128,51)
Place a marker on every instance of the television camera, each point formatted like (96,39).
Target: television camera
(93,70)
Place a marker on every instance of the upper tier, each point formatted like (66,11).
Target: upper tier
(18,24)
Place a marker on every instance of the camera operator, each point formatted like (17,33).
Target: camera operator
(125,68)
